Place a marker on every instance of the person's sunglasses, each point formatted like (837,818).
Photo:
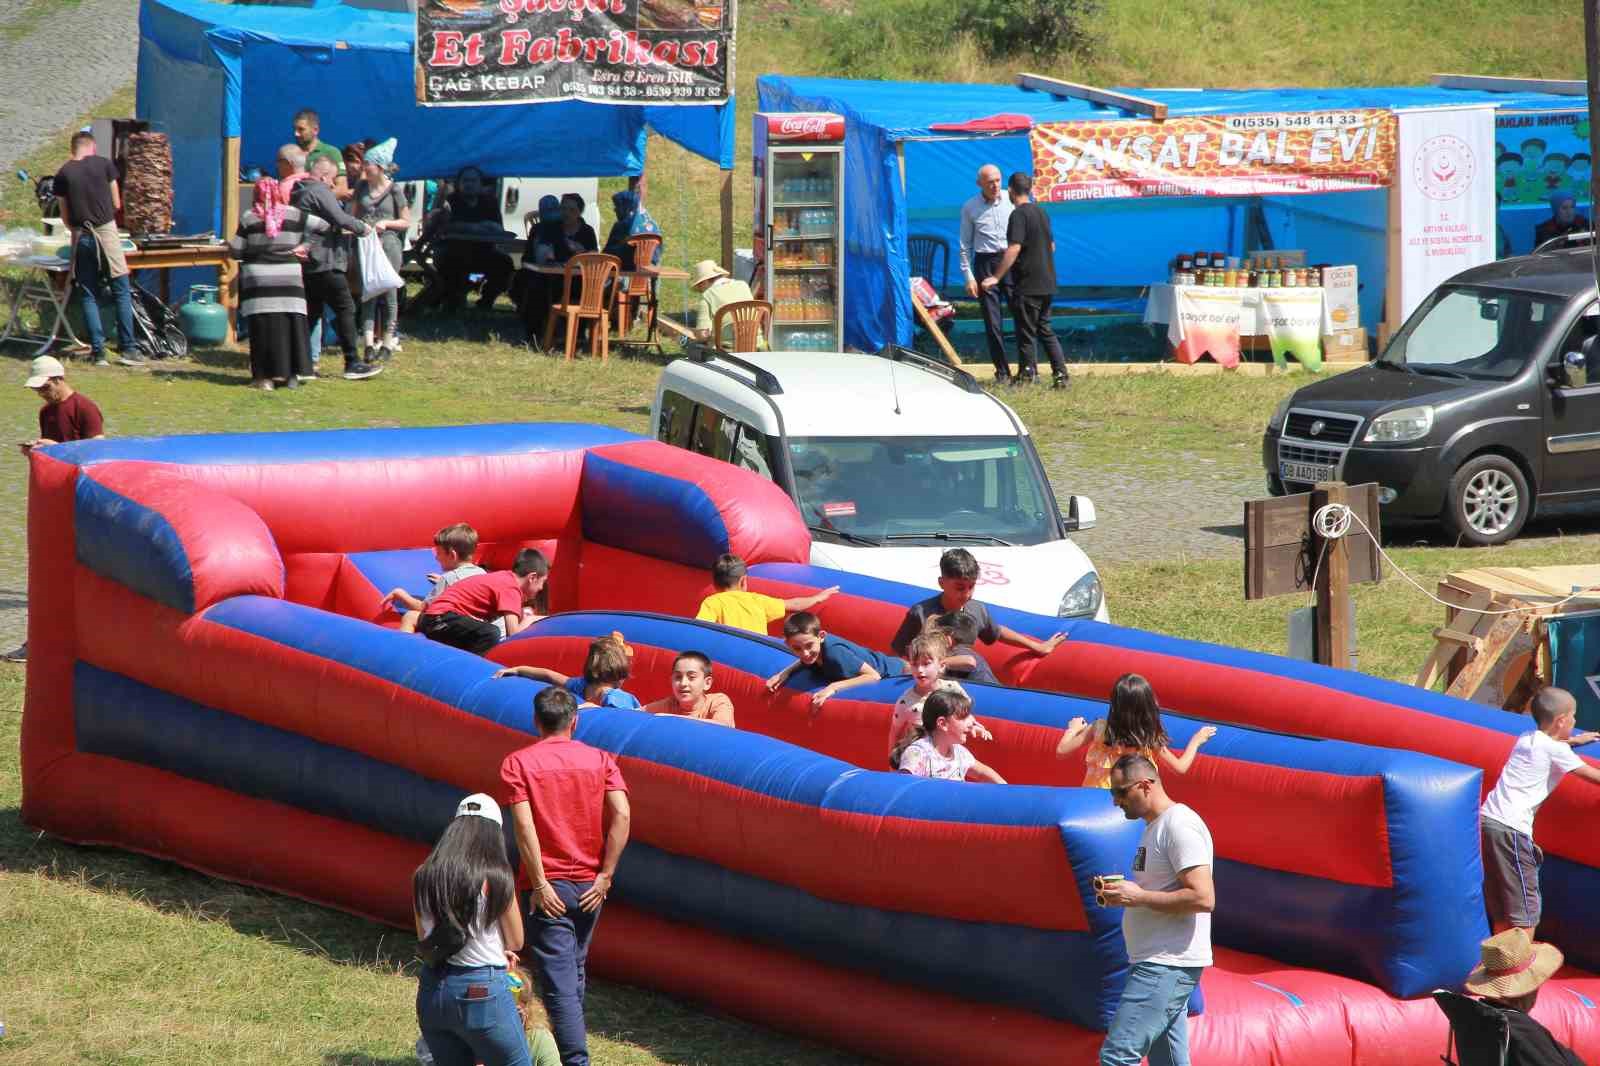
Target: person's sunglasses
(1121,792)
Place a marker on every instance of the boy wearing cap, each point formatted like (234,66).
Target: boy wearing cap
(67,414)
(1536,765)
(716,289)
(1508,980)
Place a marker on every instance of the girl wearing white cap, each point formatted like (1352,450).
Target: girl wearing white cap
(465,904)
(379,201)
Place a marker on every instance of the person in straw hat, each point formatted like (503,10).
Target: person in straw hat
(717,289)
(1508,979)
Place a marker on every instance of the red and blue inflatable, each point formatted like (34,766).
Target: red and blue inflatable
(212,680)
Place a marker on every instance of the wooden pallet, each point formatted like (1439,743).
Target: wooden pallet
(1494,628)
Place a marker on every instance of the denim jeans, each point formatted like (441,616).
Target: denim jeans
(86,283)
(560,951)
(467,1016)
(1153,1017)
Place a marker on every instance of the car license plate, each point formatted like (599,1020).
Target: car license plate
(1308,473)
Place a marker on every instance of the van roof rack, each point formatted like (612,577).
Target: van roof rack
(765,380)
(953,374)
(1565,241)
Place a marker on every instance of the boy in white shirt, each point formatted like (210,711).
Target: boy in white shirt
(1536,765)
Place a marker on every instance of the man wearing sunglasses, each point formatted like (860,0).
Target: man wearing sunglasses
(1167,923)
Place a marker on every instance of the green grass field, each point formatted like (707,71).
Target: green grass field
(111,958)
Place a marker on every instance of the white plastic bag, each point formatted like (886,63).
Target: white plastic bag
(378,275)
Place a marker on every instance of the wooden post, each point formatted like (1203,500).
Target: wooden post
(727,220)
(1591,53)
(1333,583)
(226,276)
(1394,253)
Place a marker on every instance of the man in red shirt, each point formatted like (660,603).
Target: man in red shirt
(465,614)
(67,414)
(569,807)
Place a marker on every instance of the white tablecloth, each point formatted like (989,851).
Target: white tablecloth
(1158,309)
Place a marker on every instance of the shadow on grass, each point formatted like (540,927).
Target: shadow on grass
(672,1031)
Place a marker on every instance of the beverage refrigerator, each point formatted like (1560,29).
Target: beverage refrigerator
(799,223)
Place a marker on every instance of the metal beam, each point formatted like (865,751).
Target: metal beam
(1485,83)
(1138,105)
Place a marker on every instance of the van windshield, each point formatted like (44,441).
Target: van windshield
(931,490)
(1483,334)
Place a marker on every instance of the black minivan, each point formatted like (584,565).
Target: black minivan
(1485,405)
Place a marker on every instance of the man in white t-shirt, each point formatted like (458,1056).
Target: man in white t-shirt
(1536,765)
(1167,926)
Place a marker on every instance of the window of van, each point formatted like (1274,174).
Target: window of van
(677,416)
(1476,333)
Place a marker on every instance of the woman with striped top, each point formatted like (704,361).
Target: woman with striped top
(270,245)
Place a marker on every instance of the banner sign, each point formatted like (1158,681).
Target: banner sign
(610,51)
(1205,323)
(1541,153)
(1447,210)
(1214,155)
(1293,321)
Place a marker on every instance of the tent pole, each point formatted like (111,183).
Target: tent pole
(727,219)
(1393,256)
(1591,52)
(227,276)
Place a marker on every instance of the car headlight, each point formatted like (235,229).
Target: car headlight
(1276,421)
(1408,423)
(1083,598)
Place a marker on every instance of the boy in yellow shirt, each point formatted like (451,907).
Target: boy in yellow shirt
(733,604)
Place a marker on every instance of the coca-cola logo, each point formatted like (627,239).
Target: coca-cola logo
(802,126)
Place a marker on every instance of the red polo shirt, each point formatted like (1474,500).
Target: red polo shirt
(483,596)
(564,782)
(75,418)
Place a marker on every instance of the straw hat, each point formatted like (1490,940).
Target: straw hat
(1513,965)
(704,271)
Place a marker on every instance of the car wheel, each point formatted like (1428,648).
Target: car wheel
(1275,486)
(1489,500)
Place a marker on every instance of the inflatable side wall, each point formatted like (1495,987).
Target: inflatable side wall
(206,643)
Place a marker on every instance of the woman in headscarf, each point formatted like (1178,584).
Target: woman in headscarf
(533,295)
(1564,219)
(379,201)
(270,244)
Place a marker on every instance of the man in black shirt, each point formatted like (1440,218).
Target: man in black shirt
(87,191)
(1031,252)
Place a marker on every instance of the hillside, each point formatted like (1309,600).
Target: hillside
(1202,43)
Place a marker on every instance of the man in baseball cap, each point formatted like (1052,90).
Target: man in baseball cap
(67,414)
(1508,979)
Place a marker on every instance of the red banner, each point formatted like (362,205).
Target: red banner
(1205,323)
(1226,155)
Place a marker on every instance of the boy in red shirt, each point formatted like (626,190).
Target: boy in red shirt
(569,807)
(465,614)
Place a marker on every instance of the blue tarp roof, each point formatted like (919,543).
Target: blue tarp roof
(904,177)
(211,70)
(902,109)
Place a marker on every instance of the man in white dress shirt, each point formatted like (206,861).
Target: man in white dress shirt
(983,241)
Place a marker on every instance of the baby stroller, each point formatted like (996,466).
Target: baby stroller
(156,327)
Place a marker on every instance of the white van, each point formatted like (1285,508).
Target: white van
(891,459)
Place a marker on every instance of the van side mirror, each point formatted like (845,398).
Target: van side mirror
(1555,372)
(1080,514)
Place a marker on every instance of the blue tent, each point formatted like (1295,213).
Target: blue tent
(210,71)
(907,173)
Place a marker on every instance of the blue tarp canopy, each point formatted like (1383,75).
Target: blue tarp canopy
(904,176)
(208,71)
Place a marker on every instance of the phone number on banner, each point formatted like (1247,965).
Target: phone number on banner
(1308,120)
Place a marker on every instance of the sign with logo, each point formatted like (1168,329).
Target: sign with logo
(1215,155)
(1293,320)
(1205,322)
(1446,201)
(611,51)
(804,126)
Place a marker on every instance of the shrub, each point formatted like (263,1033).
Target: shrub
(917,38)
